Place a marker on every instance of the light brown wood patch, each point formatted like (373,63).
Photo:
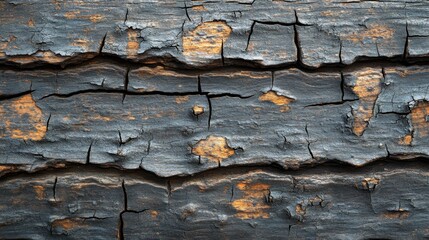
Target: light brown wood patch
(22,119)
(214,148)
(374,32)
(420,119)
(367,88)
(206,39)
(68,223)
(279,100)
(253,204)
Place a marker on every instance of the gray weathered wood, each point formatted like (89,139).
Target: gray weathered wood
(210,33)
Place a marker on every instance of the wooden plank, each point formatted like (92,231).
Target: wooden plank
(321,202)
(174,123)
(64,206)
(211,33)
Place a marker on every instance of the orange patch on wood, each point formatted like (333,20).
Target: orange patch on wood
(182,99)
(406,140)
(206,39)
(51,57)
(130,116)
(72,14)
(81,185)
(374,32)
(30,23)
(154,214)
(300,210)
(404,72)
(370,183)
(197,110)
(68,223)
(101,118)
(199,8)
(4,44)
(82,43)
(40,192)
(76,15)
(279,100)
(398,214)
(5,168)
(44,56)
(367,88)
(420,119)
(22,119)
(254,202)
(213,148)
(133,44)
(96,18)
(335,13)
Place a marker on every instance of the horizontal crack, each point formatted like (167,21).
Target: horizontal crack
(149,93)
(326,166)
(330,103)
(174,64)
(11,96)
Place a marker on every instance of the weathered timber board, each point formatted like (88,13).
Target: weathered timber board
(214,119)
(324,202)
(173,123)
(212,33)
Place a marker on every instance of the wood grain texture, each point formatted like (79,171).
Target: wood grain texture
(214,119)
(249,202)
(262,32)
(154,118)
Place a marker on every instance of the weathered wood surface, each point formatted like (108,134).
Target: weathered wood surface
(174,123)
(254,119)
(326,202)
(202,33)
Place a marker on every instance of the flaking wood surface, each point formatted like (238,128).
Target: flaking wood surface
(255,119)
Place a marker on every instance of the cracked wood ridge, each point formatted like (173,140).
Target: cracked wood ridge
(214,119)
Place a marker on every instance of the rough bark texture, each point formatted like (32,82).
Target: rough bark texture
(214,119)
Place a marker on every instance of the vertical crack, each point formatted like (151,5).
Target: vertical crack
(340,56)
(147,151)
(405,54)
(120,138)
(88,155)
(121,220)
(308,141)
(124,190)
(387,150)
(126,17)
(296,17)
(376,48)
(342,86)
(222,55)
(47,122)
(250,34)
(103,41)
(210,112)
(199,85)
(186,11)
(297,44)
(54,189)
(126,80)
